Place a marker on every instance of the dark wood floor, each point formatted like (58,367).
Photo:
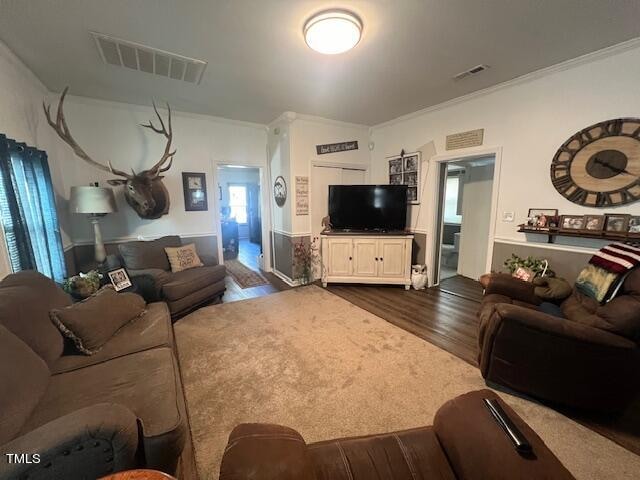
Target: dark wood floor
(445,319)
(462,287)
(248,254)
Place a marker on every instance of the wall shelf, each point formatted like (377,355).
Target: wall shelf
(555,232)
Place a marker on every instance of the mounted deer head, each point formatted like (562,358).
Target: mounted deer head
(144,191)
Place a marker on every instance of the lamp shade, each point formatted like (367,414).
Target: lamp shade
(92,200)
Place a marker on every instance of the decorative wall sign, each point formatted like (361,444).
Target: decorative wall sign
(337,147)
(302,195)
(472,138)
(280,191)
(600,165)
(194,186)
(405,170)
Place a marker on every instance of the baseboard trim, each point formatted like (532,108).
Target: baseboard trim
(285,278)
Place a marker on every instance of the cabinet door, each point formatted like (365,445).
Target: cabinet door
(391,255)
(365,257)
(340,257)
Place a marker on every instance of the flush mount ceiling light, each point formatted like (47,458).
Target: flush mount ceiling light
(333,31)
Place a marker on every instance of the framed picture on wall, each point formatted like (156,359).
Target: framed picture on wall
(405,170)
(194,186)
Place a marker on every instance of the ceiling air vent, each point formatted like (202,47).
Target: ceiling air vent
(123,53)
(472,71)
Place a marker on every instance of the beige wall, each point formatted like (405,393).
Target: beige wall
(528,119)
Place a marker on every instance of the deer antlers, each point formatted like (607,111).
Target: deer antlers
(62,129)
(155,171)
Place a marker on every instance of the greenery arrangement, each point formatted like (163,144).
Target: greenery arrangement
(305,256)
(83,285)
(536,265)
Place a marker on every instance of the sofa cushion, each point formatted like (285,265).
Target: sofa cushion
(152,329)
(92,322)
(140,255)
(196,299)
(22,387)
(25,300)
(183,258)
(408,454)
(148,383)
(189,281)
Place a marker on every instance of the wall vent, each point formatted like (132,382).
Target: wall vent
(472,71)
(123,53)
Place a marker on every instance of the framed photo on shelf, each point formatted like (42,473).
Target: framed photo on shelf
(616,223)
(593,223)
(405,170)
(542,218)
(194,186)
(634,224)
(119,279)
(572,222)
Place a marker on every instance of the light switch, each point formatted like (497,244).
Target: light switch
(508,216)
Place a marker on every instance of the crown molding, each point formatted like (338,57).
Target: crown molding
(7,53)
(526,78)
(146,108)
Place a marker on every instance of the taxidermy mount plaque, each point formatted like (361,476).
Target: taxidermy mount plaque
(144,191)
(600,165)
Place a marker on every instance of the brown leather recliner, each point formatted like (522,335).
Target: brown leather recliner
(464,443)
(586,357)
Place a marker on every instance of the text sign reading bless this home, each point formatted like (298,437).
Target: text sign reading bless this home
(472,138)
(336,147)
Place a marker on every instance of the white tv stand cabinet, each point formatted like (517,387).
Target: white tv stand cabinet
(352,257)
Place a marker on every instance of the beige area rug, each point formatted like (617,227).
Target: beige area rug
(243,275)
(310,360)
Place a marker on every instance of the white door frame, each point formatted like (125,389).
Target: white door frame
(265,212)
(431,252)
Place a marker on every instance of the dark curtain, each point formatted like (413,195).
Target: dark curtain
(28,210)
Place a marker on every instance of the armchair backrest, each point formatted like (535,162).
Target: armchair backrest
(622,314)
(142,255)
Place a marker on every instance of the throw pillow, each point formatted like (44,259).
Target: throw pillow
(183,258)
(92,322)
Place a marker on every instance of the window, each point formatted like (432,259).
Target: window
(451,200)
(238,202)
(28,210)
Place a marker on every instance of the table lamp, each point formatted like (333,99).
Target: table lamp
(96,202)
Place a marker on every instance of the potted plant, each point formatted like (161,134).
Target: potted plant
(83,285)
(305,257)
(528,268)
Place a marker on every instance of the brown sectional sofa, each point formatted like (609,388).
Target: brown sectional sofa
(589,359)
(464,443)
(183,291)
(85,415)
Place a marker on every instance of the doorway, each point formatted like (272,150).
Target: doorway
(464,219)
(240,215)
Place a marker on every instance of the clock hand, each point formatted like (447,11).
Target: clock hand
(611,167)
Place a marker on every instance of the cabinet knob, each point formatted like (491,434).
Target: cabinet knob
(376,259)
(381,259)
(350,258)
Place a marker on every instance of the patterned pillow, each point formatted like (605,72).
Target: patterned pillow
(183,258)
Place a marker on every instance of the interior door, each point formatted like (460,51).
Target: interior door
(391,256)
(365,257)
(340,257)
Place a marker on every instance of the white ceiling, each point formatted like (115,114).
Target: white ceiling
(259,65)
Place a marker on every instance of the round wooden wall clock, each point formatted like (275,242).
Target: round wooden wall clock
(600,165)
(280,190)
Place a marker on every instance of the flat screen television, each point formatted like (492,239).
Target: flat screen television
(368,207)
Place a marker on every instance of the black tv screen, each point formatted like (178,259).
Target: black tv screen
(368,207)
